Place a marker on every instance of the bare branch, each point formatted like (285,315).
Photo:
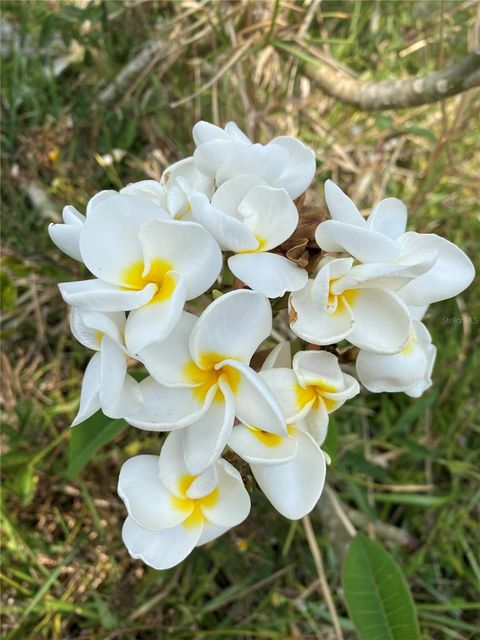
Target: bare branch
(397,94)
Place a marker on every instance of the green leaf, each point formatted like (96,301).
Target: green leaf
(378,598)
(87,438)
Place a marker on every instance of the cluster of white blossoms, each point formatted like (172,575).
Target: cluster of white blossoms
(154,246)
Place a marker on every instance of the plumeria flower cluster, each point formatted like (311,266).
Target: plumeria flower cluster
(184,274)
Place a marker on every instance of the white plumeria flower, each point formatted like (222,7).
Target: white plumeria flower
(145,263)
(382,239)
(170,511)
(250,218)
(201,379)
(313,388)
(226,153)
(67,235)
(409,371)
(106,384)
(353,303)
(174,190)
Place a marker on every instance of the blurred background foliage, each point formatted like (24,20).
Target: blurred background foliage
(96,94)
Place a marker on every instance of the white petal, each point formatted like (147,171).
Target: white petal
(185,169)
(154,321)
(210,532)
(294,487)
(299,170)
(203,132)
(72,216)
(341,207)
(203,484)
(292,398)
(360,242)
(171,465)
(382,321)
(229,195)
(147,500)
(168,408)
(109,242)
(232,504)
(90,393)
(101,296)
(167,361)
(234,132)
(279,356)
(318,368)
(160,549)
(267,163)
(120,394)
(150,190)
(402,371)
(269,273)
(255,403)
(67,238)
(230,233)
(88,327)
(98,198)
(315,325)
(211,155)
(260,447)
(205,439)
(187,247)
(232,326)
(389,275)
(452,273)
(270,215)
(389,217)
(316,422)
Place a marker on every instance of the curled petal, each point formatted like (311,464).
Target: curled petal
(90,393)
(268,273)
(101,296)
(154,321)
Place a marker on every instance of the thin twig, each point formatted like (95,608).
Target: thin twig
(323,583)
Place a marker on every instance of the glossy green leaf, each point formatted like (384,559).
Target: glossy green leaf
(87,438)
(378,599)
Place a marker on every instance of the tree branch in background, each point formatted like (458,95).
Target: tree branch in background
(397,94)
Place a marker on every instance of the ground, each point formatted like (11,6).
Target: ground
(74,122)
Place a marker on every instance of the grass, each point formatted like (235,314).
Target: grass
(411,464)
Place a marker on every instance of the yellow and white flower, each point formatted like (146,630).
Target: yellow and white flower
(106,384)
(200,378)
(355,303)
(171,511)
(250,218)
(144,263)
(313,388)
(439,268)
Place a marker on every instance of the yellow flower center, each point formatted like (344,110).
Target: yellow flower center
(347,296)
(314,393)
(193,505)
(207,375)
(158,274)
